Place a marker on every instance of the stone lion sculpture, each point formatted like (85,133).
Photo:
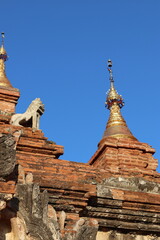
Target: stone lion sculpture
(31,117)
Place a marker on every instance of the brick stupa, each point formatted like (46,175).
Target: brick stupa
(114,196)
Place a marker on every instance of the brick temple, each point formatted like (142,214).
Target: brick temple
(116,195)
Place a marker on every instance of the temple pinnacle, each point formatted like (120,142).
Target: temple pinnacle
(4,82)
(116,126)
(112,95)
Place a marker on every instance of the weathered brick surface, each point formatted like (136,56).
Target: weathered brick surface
(7,187)
(8,99)
(125,156)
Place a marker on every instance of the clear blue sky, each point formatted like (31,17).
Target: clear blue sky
(58,51)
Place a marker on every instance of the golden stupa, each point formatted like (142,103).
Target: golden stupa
(4,82)
(116,126)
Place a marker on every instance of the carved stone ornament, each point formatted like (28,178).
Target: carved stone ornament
(132,184)
(40,219)
(7,154)
(31,117)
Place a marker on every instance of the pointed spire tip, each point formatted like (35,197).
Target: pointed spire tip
(4,82)
(3,53)
(112,95)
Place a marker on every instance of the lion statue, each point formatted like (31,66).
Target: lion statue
(31,117)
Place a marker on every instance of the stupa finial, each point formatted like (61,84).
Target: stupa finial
(110,72)
(2,35)
(3,54)
(112,95)
(116,125)
(4,82)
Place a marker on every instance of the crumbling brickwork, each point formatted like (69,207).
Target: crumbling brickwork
(112,204)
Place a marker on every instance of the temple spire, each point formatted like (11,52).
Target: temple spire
(116,125)
(4,82)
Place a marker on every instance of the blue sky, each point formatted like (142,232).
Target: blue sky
(58,51)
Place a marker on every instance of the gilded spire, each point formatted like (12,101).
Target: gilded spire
(4,82)
(116,126)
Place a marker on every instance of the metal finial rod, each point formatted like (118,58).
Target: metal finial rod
(3,36)
(110,72)
(3,54)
